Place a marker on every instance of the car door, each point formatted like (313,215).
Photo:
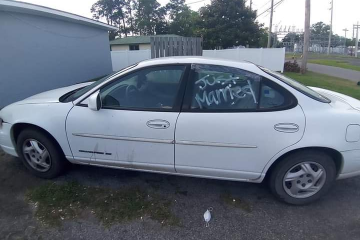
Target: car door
(233,122)
(135,126)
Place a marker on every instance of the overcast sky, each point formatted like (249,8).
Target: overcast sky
(288,13)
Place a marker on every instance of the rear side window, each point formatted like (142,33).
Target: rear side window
(273,97)
(226,89)
(298,86)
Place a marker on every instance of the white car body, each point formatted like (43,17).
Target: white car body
(238,146)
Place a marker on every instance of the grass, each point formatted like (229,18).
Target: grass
(335,63)
(57,202)
(324,81)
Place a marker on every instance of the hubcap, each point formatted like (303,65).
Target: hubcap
(36,155)
(304,179)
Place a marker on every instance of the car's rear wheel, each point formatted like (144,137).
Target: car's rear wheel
(39,154)
(303,177)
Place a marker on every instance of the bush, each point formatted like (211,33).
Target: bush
(290,66)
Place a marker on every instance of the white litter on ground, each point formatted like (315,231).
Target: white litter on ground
(207,216)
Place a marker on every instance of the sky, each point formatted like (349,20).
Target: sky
(288,13)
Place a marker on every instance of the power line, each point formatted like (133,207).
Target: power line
(195,2)
(274,8)
(264,5)
(279,2)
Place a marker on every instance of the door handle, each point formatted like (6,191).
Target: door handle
(286,127)
(158,124)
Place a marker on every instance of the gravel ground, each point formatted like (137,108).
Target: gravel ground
(259,216)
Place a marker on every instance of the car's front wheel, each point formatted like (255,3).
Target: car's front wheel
(39,154)
(303,177)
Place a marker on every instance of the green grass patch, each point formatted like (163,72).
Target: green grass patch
(57,202)
(341,63)
(327,82)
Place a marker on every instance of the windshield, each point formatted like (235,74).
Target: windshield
(298,86)
(72,96)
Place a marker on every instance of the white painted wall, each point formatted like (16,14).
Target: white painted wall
(123,59)
(271,58)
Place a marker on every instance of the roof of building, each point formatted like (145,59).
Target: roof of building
(138,39)
(21,7)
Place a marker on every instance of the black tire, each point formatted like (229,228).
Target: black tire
(58,161)
(278,173)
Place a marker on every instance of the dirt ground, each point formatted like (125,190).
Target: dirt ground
(256,214)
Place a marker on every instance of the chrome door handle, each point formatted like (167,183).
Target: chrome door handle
(158,124)
(286,127)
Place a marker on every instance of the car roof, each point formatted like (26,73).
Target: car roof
(201,60)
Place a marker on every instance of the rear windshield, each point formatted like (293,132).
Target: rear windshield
(298,86)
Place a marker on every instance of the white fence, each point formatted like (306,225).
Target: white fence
(123,59)
(271,58)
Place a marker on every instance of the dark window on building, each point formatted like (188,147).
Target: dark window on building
(134,47)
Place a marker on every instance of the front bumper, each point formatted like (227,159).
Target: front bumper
(5,139)
(351,164)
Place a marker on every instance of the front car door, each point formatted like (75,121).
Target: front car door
(233,122)
(135,126)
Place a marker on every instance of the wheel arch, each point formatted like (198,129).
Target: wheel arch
(334,154)
(19,127)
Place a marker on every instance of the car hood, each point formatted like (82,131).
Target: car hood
(51,96)
(338,97)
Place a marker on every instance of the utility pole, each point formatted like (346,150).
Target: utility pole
(330,33)
(270,26)
(345,30)
(251,2)
(306,37)
(357,39)
(353,36)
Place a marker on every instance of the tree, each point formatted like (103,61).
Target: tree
(228,23)
(115,13)
(182,19)
(293,38)
(320,28)
(148,16)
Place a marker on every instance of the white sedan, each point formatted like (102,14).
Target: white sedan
(193,116)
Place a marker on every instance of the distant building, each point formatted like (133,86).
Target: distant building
(134,43)
(43,48)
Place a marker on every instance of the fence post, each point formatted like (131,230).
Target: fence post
(283,62)
(261,57)
(152,42)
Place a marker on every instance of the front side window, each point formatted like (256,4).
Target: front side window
(219,88)
(149,88)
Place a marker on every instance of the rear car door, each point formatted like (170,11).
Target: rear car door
(233,122)
(135,126)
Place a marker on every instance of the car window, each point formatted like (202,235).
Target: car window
(149,88)
(224,88)
(298,86)
(272,96)
(220,88)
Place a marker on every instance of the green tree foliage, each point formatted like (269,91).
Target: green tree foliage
(320,28)
(222,23)
(182,19)
(228,23)
(148,16)
(114,11)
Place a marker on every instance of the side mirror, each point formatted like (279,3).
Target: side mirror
(94,101)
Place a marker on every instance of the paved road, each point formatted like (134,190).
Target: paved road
(336,216)
(335,71)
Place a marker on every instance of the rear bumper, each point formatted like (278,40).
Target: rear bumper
(5,140)
(351,164)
